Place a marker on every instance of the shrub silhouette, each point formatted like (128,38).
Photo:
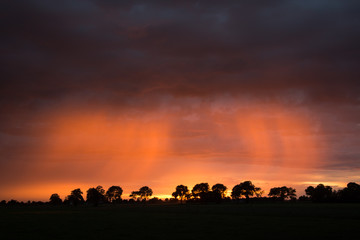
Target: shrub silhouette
(55,199)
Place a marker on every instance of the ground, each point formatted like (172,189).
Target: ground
(218,221)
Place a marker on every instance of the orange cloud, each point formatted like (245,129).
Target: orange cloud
(268,144)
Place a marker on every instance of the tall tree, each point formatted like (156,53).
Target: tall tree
(200,190)
(320,193)
(114,193)
(75,197)
(282,193)
(245,189)
(219,189)
(181,191)
(143,194)
(351,193)
(78,194)
(95,195)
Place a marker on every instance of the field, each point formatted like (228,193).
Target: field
(237,221)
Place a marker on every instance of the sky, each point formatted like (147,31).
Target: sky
(162,93)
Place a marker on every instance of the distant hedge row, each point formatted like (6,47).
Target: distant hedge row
(245,191)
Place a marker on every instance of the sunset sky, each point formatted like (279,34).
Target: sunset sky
(162,93)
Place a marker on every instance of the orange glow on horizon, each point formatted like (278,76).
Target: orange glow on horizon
(268,147)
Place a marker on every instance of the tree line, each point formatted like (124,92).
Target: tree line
(201,192)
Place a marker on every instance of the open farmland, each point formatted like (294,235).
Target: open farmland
(243,221)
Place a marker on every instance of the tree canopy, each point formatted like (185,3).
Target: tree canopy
(320,193)
(143,193)
(114,193)
(55,199)
(219,189)
(75,197)
(245,189)
(95,195)
(182,192)
(282,192)
(200,189)
(351,193)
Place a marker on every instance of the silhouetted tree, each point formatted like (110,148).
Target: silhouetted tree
(320,193)
(143,193)
(182,192)
(200,189)
(101,190)
(3,203)
(13,202)
(351,193)
(78,194)
(219,189)
(135,195)
(95,195)
(55,199)
(75,197)
(283,193)
(114,193)
(245,189)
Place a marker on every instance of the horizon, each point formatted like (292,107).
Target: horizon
(151,93)
(125,195)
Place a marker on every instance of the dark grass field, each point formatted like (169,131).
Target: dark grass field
(233,221)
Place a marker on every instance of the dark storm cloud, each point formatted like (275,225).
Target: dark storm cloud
(52,49)
(138,54)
